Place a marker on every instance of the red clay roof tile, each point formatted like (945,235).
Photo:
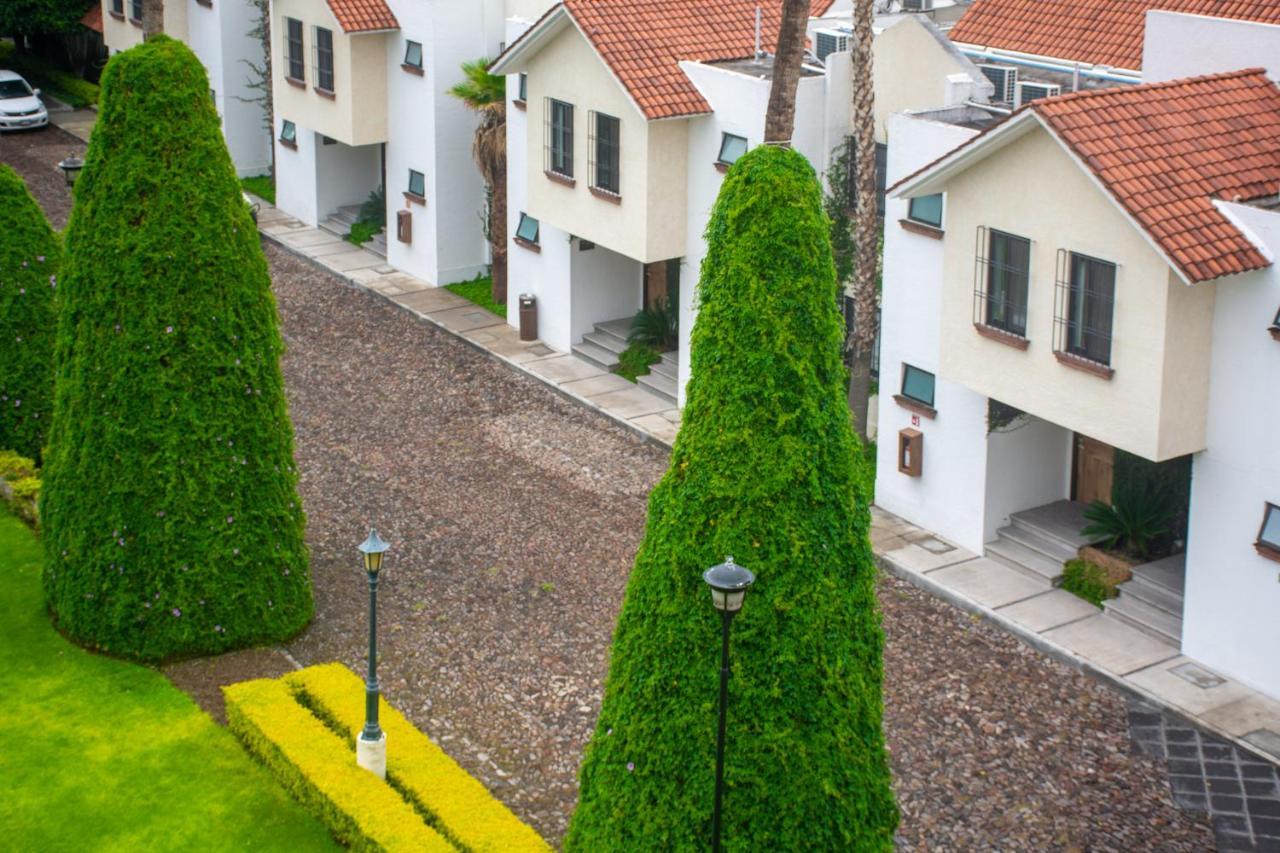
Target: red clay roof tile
(358,16)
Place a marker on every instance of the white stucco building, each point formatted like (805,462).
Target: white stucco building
(219,34)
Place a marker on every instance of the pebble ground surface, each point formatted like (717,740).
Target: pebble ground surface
(514,516)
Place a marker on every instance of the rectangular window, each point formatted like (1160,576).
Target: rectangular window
(1008,265)
(117,7)
(527,230)
(523,89)
(413,54)
(731,148)
(917,385)
(324,59)
(135,10)
(417,184)
(605,150)
(1269,534)
(926,209)
(1089,308)
(289,133)
(851,173)
(293,45)
(559,137)
(1275,324)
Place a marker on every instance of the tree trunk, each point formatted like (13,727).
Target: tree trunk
(498,238)
(780,118)
(865,297)
(152,18)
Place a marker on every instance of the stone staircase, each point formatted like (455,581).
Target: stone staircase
(602,347)
(1038,541)
(343,218)
(1152,600)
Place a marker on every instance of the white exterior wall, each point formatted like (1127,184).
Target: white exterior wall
(296,180)
(1028,465)
(1232,594)
(345,175)
(605,286)
(1177,45)
(947,497)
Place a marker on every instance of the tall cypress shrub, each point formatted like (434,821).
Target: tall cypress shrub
(29,255)
(766,468)
(172,521)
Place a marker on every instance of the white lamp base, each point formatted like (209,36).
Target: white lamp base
(372,755)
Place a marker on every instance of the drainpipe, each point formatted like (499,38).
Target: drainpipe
(1049,66)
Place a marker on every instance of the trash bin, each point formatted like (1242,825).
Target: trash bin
(528,317)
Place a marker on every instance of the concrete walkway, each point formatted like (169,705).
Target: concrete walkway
(78,123)
(1073,630)
(646,414)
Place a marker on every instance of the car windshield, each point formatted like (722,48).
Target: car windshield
(13,89)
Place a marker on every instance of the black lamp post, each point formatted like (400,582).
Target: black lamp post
(728,582)
(71,167)
(372,548)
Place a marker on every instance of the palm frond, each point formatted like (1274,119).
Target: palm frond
(479,89)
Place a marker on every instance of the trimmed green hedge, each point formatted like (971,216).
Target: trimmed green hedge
(766,468)
(170,509)
(29,259)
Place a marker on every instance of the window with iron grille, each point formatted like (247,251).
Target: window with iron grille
(135,10)
(1084,303)
(117,6)
(851,174)
(1000,281)
(324,59)
(604,148)
(559,130)
(293,44)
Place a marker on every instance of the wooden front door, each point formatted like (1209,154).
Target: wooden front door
(661,282)
(1095,465)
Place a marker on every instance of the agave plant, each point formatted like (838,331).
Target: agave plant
(1134,522)
(656,326)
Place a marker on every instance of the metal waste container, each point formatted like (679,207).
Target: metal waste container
(528,317)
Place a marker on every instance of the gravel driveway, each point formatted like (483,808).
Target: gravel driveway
(514,516)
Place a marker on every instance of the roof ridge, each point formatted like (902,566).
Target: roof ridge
(1114,91)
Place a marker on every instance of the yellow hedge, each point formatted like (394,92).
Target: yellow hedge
(320,769)
(464,810)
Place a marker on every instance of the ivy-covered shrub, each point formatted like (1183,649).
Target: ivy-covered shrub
(170,510)
(29,254)
(766,468)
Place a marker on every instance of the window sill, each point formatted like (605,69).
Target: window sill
(326,93)
(527,244)
(415,198)
(292,146)
(137,22)
(294,81)
(1265,550)
(560,179)
(208,4)
(922,228)
(722,167)
(610,197)
(1275,332)
(1088,365)
(915,406)
(1001,336)
(519,104)
(413,69)
(119,16)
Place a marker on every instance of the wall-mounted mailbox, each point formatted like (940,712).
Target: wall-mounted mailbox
(404,226)
(910,452)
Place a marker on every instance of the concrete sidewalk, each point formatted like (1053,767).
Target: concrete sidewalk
(1074,631)
(630,405)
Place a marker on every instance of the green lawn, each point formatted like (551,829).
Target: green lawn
(478,290)
(263,186)
(105,755)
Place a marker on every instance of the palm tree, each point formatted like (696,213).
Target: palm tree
(860,334)
(780,117)
(487,94)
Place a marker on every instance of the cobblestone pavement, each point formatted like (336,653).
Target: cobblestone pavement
(1239,792)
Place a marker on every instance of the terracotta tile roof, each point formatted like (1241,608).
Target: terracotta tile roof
(93,18)
(358,16)
(642,42)
(1098,32)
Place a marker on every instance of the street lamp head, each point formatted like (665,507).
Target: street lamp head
(71,167)
(373,549)
(728,582)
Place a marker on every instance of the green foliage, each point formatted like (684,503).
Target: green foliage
(1136,520)
(263,186)
(50,79)
(20,486)
(374,210)
(634,361)
(766,467)
(835,201)
(1170,479)
(106,755)
(1001,417)
(479,89)
(1088,581)
(361,232)
(480,291)
(170,509)
(29,259)
(657,326)
(33,17)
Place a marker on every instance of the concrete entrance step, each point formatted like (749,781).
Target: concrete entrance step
(340,225)
(1169,573)
(1150,620)
(1152,595)
(662,386)
(603,358)
(616,330)
(606,341)
(1030,561)
(664,367)
(1052,548)
(1059,522)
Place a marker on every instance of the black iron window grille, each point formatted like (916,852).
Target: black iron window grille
(1084,307)
(559,134)
(135,10)
(324,59)
(604,149)
(293,40)
(1001,278)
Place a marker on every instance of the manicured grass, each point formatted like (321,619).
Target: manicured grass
(105,755)
(263,186)
(478,290)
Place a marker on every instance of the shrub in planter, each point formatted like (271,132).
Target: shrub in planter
(29,256)
(170,510)
(1089,581)
(1136,520)
(766,468)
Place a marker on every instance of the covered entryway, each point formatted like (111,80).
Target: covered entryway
(1094,470)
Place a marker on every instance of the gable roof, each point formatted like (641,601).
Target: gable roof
(643,41)
(93,18)
(1163,152)
(1095,32)
(362,16)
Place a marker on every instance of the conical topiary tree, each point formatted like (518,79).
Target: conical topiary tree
(29,253)
(171,516)
(766,468)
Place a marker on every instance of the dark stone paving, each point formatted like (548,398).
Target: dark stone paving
(1239,792)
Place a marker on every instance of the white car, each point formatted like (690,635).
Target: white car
(20,105)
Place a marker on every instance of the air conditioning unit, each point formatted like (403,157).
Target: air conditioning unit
(917,5)
(833,40)
(1029,90)
(1004,79)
